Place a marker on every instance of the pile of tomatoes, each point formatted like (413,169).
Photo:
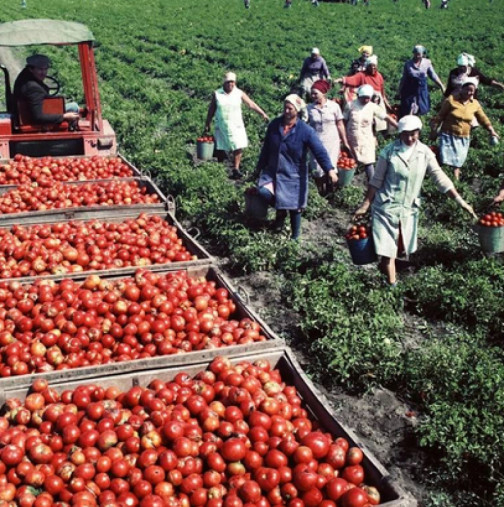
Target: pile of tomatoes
(205,139)
(67,247)
(357,232)
(23,169)
(346,162)
(57,195)
(51,325)
(231,436)
(493,219)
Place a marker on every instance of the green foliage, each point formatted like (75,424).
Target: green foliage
(351,321)
(159,63)
(470,295)
(462,390)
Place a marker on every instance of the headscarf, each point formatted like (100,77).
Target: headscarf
(372,60)
(420,49)
(409,123)
(40,61)
(322,86)
(365,91)
(229,76)
(462,60)
(366,49)
(296,101)
(470,80)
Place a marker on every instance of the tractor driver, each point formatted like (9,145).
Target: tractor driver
(30,87)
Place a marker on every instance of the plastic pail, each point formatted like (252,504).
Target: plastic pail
(256,207)
(362,251)
(345,176)
(204,150)
(491,238)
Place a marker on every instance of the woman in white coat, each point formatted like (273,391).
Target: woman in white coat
(359,116)
(394,194)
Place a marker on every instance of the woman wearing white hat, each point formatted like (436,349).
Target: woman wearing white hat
(359,116)
(230,134)
(466,68)
(394,191)
(454,121)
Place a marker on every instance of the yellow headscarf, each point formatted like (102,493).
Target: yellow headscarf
(366,49)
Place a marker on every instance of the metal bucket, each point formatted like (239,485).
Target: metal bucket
(491,238)
(204,150)
(345,176)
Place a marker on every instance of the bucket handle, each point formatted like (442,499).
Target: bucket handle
(146,173)
(194,232)
(171,204)
(242,293)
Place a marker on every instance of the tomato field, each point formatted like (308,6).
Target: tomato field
(434,342)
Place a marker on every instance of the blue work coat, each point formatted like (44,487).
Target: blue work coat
(283,162)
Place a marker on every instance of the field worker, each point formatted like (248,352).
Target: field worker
(466,68)
(393,194)
(282,167)
(454,121)
(30,87)
(413,88)
(326,118)
(230,135)
(314,68)
(358,65)
(372,77)
(359,116)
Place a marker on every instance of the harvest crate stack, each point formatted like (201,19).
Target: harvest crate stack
(110,307)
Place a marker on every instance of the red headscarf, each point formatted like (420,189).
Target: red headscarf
(322,86)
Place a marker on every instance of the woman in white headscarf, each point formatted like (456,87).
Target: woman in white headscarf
(360,115)
(466,68)
(282,165)
(394,194)
(230,134)
(454,121)
(370,76)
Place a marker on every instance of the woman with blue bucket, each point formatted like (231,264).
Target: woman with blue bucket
(282,165)
(394,194)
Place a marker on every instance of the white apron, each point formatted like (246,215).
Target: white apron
(230,131)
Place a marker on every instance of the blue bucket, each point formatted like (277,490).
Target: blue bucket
(362,251)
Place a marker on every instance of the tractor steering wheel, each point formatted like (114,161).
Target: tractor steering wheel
(53,85)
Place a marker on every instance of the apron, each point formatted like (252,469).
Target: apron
(360,131)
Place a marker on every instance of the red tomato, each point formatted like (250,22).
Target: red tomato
(355,497)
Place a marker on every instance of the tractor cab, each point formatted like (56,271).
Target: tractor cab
(90,135)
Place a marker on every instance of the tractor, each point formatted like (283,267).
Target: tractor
(91,135)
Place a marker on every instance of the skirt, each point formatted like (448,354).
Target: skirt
(453,149)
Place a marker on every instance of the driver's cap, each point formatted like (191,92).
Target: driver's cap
(40,61)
